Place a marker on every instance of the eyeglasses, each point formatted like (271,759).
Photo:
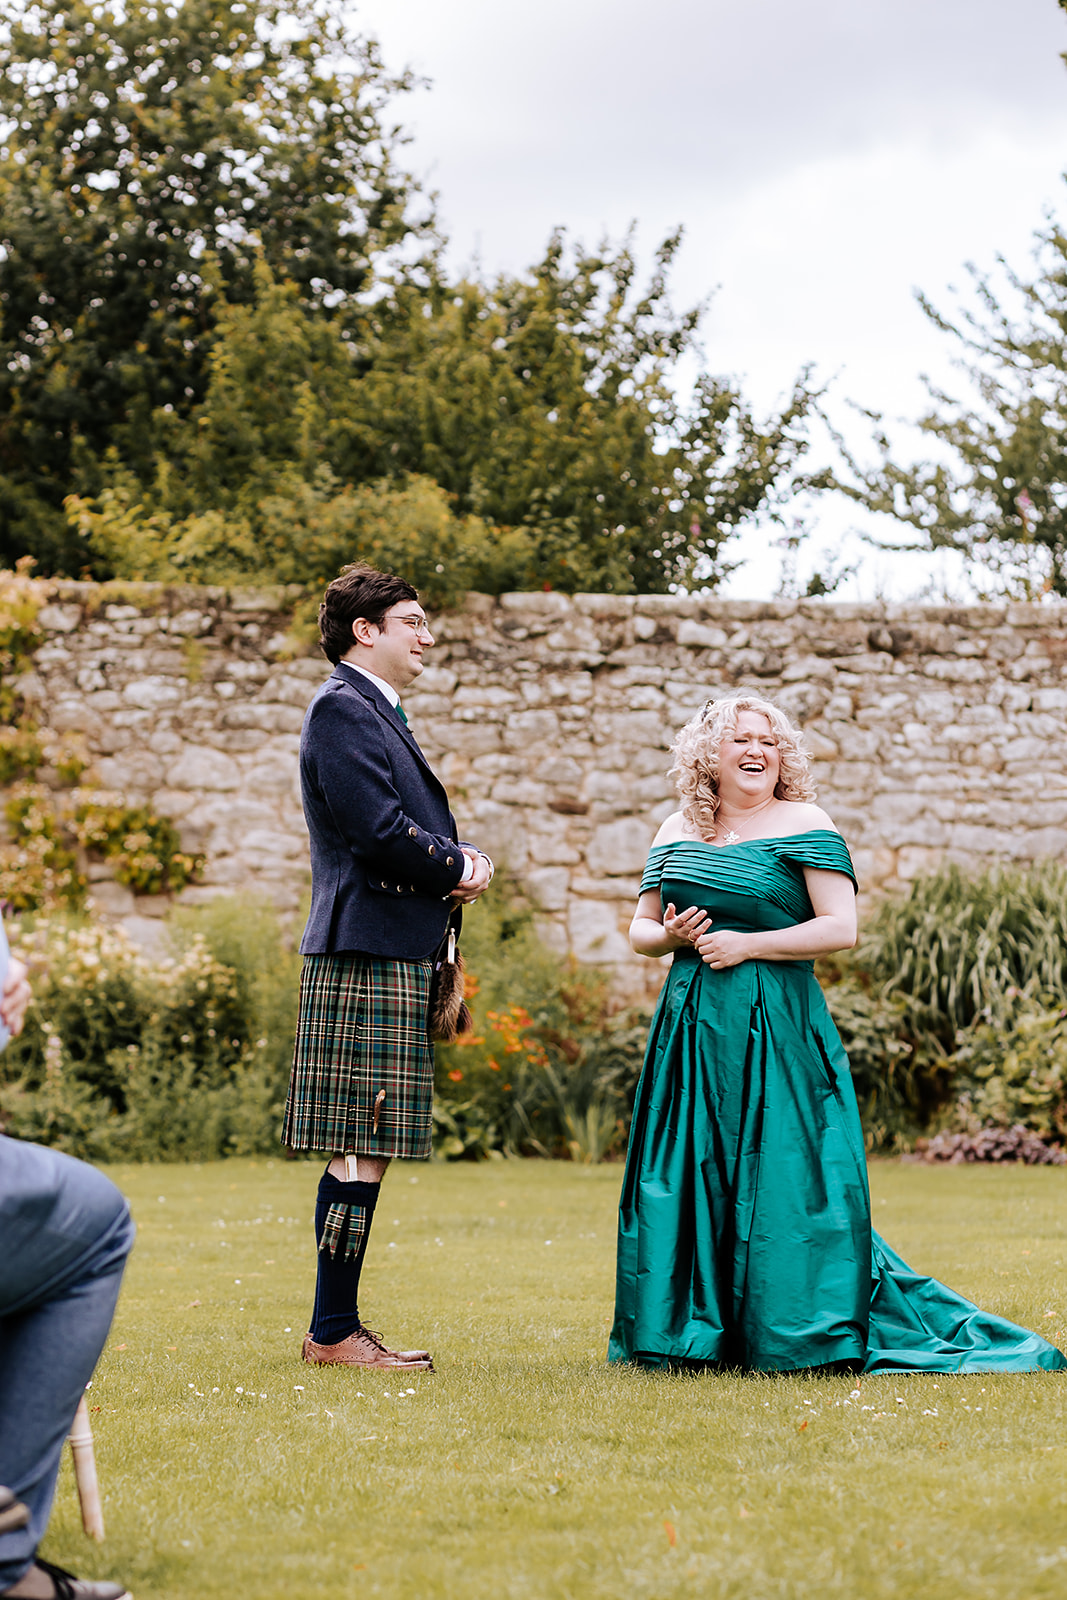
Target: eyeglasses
(418,625)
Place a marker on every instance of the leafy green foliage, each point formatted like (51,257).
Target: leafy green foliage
(127,1058)
(21,753)
(544,402)
(549,1068)
(151,154)
(214,352)
(1014,1070)
(948,994)
(37,866)
(145,848)
(479,438)
(997,491)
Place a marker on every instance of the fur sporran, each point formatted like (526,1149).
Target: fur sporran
(449,1016)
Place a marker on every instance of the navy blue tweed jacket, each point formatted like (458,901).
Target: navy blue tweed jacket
(384,856)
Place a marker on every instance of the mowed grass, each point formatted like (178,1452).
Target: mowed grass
(525,1467)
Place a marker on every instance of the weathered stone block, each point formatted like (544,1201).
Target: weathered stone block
(548,887)
(110,899)
(137,770)
(150,693)
(200,767)
(618,848)
(594,933)
(701,635)
(59,619)
(269,718)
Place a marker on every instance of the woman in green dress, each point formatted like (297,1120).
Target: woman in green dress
(745,1233)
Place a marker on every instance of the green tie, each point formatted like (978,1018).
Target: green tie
(401,713)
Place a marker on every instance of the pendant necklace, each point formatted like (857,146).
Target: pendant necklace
(731,836)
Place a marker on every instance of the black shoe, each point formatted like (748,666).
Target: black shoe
(68,1587)
(13,1514)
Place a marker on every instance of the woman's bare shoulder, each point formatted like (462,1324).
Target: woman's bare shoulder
(672,828)
(803,817)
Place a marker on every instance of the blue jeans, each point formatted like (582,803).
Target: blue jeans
(65,1233)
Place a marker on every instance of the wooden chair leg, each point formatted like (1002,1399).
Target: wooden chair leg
(81,1448)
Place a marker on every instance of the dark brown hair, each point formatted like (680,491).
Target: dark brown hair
(358,591)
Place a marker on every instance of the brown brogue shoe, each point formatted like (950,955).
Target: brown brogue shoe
(363,1349)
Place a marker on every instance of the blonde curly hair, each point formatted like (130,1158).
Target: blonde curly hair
(696,758)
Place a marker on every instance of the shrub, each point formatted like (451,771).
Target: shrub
(145,848)
(550,1068)
(1015,1070)
(937,1002)
(127,1058)
(1017,1143)
(39,868)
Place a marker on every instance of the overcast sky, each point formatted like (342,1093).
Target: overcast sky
(825,160)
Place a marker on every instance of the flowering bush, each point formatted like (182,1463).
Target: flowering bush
(145,848)
(39,867)
(127,1057)
(549,1068)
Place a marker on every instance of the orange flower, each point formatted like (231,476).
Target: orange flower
(494,1066)
(455,1075)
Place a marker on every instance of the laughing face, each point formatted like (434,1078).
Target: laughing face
(749,764)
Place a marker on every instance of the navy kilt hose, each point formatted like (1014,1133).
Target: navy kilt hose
(362,1079)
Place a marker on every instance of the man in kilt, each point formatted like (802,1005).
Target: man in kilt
(386,871)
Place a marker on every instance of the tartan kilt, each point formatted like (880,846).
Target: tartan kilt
(362,1044)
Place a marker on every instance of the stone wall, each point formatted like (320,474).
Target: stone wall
(938,733)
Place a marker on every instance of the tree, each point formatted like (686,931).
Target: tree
(546,401)
(998,492)
(542,406)
(151,152)
(224,326)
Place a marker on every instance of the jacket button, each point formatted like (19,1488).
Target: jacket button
(449,860)
(413,833)
(431,849)
(384,884)
(400,888)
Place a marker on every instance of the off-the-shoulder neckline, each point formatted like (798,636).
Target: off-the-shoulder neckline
(771,838)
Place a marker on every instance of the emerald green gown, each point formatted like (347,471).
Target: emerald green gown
(745,1225)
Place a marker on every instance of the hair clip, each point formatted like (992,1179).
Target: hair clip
(707,707)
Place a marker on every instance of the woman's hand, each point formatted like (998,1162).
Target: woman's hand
(16,997)
(684,927)
(722,947)
(655,932)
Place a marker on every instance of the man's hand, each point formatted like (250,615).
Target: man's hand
(16,996)
(477,883)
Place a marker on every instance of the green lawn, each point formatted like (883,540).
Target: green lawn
(525,1467)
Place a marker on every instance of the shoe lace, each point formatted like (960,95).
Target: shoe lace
(374,1338)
